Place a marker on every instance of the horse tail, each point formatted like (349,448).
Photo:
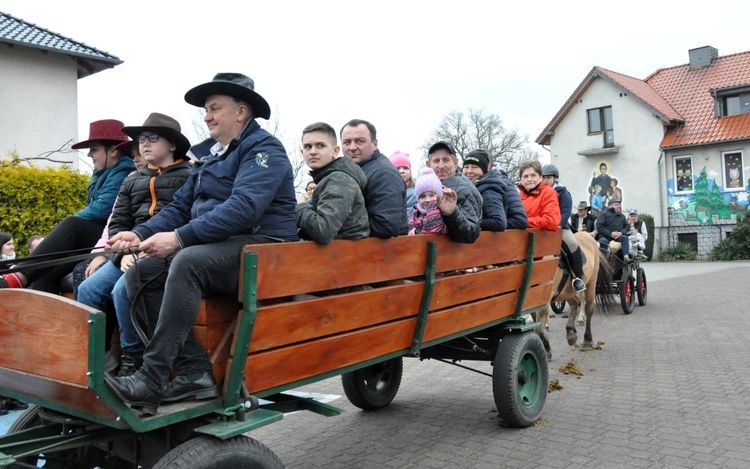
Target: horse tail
(603,282)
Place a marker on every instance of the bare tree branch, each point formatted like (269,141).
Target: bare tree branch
(484,130)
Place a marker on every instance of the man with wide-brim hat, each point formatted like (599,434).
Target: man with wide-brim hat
(83,229)
(583,219)
(241,191)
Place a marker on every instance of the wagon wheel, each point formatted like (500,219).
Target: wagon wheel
(206,452)
(374,387)
(558,306)
(84,456)
(627,291)
(641,286)
(519,379)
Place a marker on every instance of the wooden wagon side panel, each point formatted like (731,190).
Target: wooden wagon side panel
(44,335)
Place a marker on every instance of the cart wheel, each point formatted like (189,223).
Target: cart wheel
(627,292)
(558,306)
(374,387)
(519,379)
(641,286)
(85,456)
(206,452)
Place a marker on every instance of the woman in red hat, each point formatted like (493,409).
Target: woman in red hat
(81,230)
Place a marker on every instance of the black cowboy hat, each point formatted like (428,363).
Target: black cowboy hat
(166,127)
(236,85)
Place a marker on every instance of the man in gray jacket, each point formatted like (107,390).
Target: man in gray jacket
(461,204)
(385,191)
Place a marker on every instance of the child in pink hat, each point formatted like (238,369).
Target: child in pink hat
(426,217)
(401,161)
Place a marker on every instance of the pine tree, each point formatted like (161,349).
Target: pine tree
(717,200)
(702,195)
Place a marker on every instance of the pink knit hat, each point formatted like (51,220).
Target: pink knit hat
(428,181)
(400,159)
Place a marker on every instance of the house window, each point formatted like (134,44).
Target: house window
(683,174)
(600,121)
(734,177)
(689,238)
(732,101)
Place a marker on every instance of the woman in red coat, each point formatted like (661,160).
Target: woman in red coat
(539,199)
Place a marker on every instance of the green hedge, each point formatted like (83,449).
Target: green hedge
(33,200)
(649,221)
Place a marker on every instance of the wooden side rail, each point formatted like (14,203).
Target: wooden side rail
(295,341)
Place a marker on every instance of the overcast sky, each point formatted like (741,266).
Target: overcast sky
(402,64)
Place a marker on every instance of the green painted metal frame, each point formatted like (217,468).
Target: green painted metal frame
(429,289)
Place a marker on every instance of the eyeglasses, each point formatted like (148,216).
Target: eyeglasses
(153,138)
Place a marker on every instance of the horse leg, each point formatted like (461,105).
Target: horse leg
(570,328)
(541,318)
(588,340)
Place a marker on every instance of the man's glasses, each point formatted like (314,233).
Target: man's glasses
(153,138)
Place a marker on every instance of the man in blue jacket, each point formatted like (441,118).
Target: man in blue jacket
(385,191)
(240,191)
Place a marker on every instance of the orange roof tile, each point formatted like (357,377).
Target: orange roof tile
(689,91)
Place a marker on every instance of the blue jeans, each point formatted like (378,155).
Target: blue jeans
(105,291)
(167,293)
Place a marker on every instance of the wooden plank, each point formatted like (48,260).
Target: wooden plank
(65,394)
(45,335)
(396,258)
(210,336)
(284,365)
(298,321)
(217,310)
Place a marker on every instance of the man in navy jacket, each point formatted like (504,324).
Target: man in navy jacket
(241,191)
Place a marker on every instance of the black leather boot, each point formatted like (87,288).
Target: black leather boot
(134,391)
(200,385)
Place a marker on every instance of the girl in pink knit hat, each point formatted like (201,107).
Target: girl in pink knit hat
(401,161)
(426,217)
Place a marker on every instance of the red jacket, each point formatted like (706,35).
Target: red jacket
(542,206)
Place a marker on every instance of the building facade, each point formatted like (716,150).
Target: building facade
(671,145)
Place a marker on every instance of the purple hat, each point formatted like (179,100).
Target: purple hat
(428,181)
(400,160)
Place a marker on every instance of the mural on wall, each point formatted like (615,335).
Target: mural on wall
(603,187)
(708,198)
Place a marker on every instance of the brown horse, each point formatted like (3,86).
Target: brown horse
(597,275)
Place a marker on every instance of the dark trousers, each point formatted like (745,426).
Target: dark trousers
(171,293)
(70,234)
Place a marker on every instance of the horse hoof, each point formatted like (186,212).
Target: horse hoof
(581,323)
(552,315)
(565,315)
(572,339)
(586,346)
(549,356)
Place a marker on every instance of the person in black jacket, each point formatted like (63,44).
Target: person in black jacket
(490,185)
(583,220)
(385,193)
(461,204)
(570,246)
(142,195)
(613,226)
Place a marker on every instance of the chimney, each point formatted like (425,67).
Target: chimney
(702,56)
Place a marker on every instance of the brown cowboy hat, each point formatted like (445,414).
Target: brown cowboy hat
(236,85)
(107,130)
(582,205)
(166,127)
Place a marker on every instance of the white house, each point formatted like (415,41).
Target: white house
(671,145)
(39,72)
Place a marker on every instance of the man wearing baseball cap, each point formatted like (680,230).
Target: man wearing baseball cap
(240,191)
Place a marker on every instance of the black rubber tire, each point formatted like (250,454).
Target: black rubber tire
(207,452)
(87,456)
(520,377)
(627,292)
(374,387)
(641,286)
(558,306)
